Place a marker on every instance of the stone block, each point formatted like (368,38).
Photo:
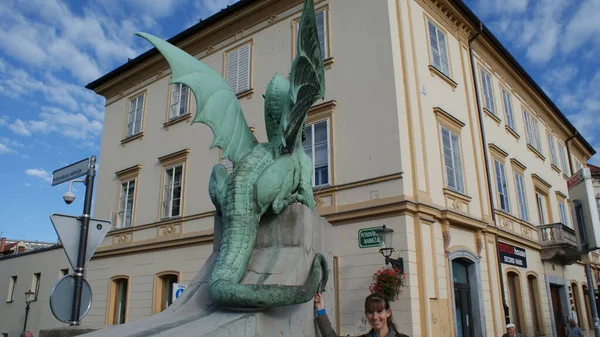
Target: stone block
(284,252)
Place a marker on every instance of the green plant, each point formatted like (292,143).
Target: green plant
(388,282)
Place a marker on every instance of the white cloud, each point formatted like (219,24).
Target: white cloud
(5,149)
(39,173)
(583,28)
(3,120)
(19,127)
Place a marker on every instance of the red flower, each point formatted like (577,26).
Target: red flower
(388,282)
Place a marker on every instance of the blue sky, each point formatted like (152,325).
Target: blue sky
(50,49)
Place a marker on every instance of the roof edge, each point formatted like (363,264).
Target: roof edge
(504,52)
(132,63)
(30,252)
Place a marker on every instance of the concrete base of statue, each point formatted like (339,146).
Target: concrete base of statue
(285,249)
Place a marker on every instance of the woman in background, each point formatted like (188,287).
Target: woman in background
(377,310)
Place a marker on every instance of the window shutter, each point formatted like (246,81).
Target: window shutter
(232,69)
(243,81)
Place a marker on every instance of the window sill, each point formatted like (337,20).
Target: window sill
(492,116)
(555,168)
(536,152)
(139,135)
(176,120)
(248,94)
(10,301)
(512,132)
(565,176)
(456,194)
(328,62)
(435,71)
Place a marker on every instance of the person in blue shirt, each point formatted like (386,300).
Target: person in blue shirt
(377,310)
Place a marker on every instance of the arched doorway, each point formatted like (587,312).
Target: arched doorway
(466,294)
(462,298)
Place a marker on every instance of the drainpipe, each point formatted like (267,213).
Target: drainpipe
(487,167)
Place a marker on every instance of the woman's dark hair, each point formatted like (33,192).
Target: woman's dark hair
(378,302)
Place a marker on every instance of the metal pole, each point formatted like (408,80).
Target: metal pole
(26,314)
(85,222)
(592,298)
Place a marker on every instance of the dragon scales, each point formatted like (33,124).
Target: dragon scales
(266,177)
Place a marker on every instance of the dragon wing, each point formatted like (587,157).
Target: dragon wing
(216,104)
(307,79)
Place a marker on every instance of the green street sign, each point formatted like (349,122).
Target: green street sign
(367,237)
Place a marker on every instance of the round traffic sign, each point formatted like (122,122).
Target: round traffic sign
(61,299)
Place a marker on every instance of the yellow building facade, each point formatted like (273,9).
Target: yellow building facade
(428,126)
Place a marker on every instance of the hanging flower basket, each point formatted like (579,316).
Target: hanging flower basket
(388,282)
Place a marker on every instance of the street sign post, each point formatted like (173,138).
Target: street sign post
(68,228)
(85,167)
(367,237)
(70,172)
(178,289)
(61,299)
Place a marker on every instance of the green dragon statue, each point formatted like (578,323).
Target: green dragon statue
(266,176)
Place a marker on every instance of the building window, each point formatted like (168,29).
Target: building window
(578,166)
(135,115)
(126,202)
(563,159)
(35,285)
(516,304)
(541,200)
(488,95)
(501,186)
(439,49)
(117,306)
(126,197)
(508,109)
(588,309)
(452,160)
(238,68)
(576,303)
(533,131)
(535,305)
(563,212)
(172,191)
(163,291)
(12,283)
(316,146)
(179,100)
(321,20)
(553,158)
(521,197)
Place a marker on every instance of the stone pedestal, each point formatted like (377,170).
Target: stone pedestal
(285,249)
(66,331)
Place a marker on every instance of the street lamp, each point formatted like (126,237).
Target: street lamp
(29,296)
(386,236)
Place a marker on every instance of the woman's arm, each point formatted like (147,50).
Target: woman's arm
(322,319)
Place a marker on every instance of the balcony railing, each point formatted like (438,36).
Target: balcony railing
(559,243)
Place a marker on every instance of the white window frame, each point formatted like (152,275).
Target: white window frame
(521,196)
(237,59)
(540,201)
(563,159)
(179,93)
(122,213)
(502,186)
(552,150)
(562,211)
(132,111)
(533,131)
(438,48)
(35,285)
(578,165)
(167,200)
(12,284)
(508,109)
(488,91)
(313,146)
(455,168)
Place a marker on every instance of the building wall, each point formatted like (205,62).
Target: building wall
(386,105)
(12,313)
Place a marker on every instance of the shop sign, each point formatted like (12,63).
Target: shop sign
(512,255)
